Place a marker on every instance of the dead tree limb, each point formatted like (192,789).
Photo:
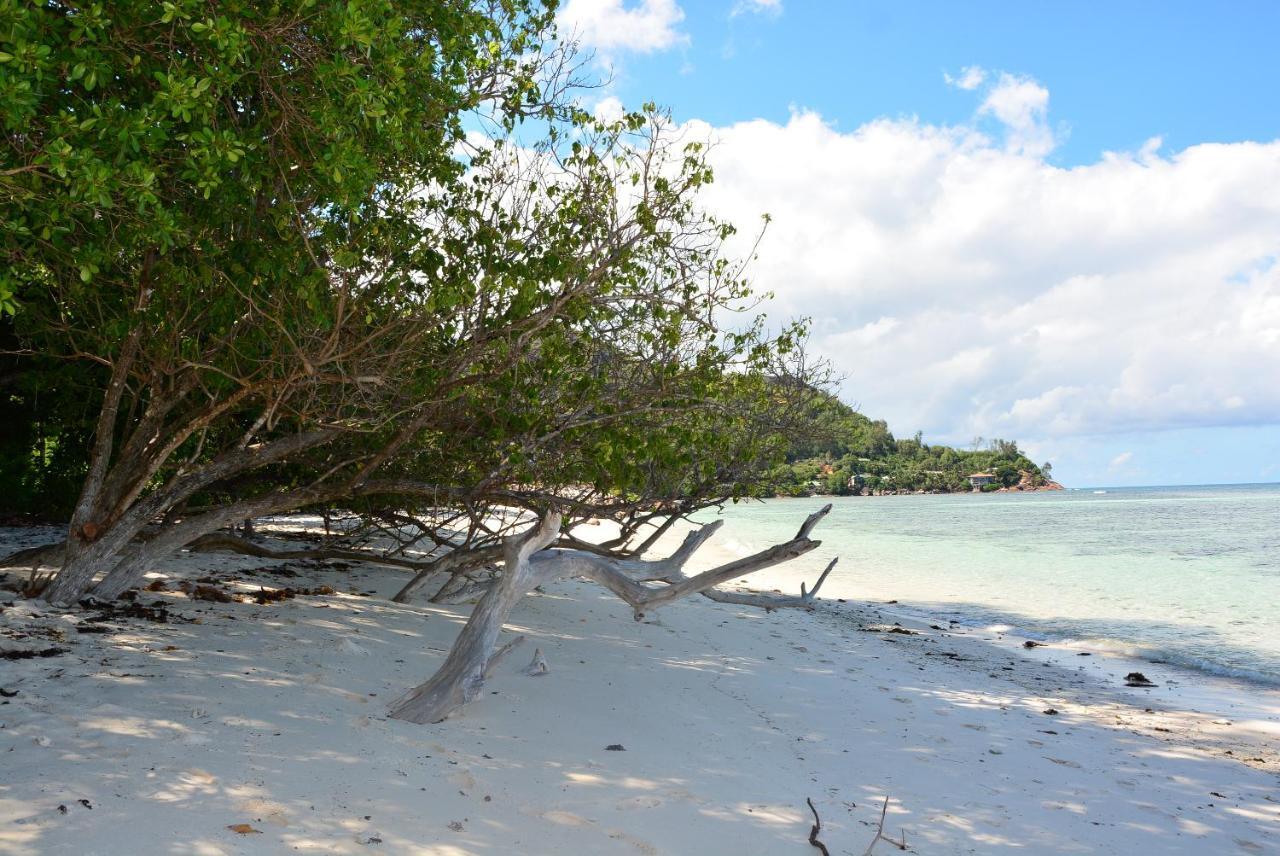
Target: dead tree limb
(455,562)
(770,602)
(219,542)
(34,558)
(538,665)
(461,676)
(626,577)
(815,829)
(460,589)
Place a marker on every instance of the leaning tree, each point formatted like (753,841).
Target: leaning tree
(370,256)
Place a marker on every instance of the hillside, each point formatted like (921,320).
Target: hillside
(847,453)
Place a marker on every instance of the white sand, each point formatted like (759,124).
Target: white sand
(274,716)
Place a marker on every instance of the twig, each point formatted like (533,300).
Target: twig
(880,836)
(816,828)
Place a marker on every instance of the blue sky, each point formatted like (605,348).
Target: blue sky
(1056,222)
(1120,72)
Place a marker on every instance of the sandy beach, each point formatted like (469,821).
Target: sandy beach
(260,728)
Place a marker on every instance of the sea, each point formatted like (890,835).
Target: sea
(1188,576)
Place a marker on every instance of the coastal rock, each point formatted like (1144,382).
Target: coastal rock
(1026,482)
(1137,679)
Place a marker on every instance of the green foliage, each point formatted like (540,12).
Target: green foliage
(183,141)
(278,208)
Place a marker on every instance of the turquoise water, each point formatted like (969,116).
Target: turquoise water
(1186,575)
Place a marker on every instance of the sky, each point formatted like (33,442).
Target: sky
(1060,225)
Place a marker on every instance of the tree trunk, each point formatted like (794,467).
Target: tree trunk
(101,551)
(461,677)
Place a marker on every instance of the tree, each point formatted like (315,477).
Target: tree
(194,207)
(289,273)
(297,281)
(1005,448)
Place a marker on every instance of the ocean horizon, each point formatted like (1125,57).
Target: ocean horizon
(1171,486)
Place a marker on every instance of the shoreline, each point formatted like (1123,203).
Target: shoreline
(896,576)
(1122,650)
(1208,711)
(1251,710)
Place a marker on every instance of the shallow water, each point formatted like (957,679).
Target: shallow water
(1188,575)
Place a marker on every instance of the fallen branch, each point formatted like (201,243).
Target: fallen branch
(461,676)
(626,577)
(527,565)
(461,589)
(218,542)
(880,836)
(455,562)
(815,829)
(36,557)
(770,602)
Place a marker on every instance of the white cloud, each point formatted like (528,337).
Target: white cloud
(757,7)
(1022,106)
(608,109)
(966,286)
(643,26)
(971,77)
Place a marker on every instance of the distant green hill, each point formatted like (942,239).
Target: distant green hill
(847,453)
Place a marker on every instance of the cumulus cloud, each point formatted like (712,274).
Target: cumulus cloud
(970,78)
(608,109)
(612,26)
(967,286)
(1022,106)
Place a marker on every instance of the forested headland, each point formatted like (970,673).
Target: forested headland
(845,453)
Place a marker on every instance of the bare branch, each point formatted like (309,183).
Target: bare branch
(880,836)
(815,829)
(769,602)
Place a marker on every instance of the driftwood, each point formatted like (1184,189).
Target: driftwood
(769,602)
(222,542)
(527,565)
(870,851)
(453,563)
(815,829)
(461,677)
(34,558)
